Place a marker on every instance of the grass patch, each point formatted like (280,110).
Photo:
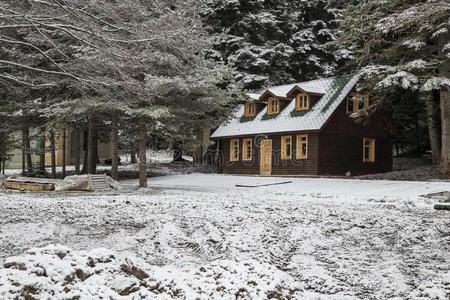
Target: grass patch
(298,113)
(268,117)
(244,119)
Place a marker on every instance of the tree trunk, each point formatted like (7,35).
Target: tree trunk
(53,153)
(142,152)
(200,154)
(91,163)
(115,146)
(42,151)
(177,151)
(27,148)
(28,151)
(433,130)
(23,150)
(96,156)
(64,149)
(418,137)
(85,149)
(445,112)
(76,149)
(445,119)
(133,155)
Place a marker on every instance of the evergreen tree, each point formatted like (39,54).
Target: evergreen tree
(276,42)
(108,58)
(196,99)
(404,44)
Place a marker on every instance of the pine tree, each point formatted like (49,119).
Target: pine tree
(403,44)
(99,58)
(276,42)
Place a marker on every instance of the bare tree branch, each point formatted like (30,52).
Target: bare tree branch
(36,48)
(11,78)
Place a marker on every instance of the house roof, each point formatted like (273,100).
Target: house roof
(334,90)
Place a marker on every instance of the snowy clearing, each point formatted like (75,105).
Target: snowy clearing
(199,236)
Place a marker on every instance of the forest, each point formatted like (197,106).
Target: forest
(159,72)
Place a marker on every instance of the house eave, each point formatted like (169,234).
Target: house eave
(265,133)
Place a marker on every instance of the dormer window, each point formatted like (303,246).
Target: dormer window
(250,109)
(302,102)
(273,106)
(356,102)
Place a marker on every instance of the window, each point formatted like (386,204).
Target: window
(250,109)
(234,150)
(247,151)
(302,146)
(302,102)
(286,147)
(273,106)
(368,150)
(356,102)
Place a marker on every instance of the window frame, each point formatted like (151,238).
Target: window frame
(245,150)
(298,153)
(270,102)
(371,158)
(299,104)
(355,108)
(248,112)
(283,147)
(234,150)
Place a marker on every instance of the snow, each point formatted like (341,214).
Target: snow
(418,64)
(314,119)
(446,47)
(402,79)
(200,236)
(436,83)
(373,71)
(438,33)
(319,86)
(253,96)
(153,157)
(414,44)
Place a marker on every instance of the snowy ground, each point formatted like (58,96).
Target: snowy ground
(153,157)
(199,236)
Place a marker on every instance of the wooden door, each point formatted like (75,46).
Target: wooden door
(265,157)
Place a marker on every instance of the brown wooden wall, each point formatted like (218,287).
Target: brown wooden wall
(341,145)
(279,166)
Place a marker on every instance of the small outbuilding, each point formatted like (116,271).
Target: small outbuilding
(318,127)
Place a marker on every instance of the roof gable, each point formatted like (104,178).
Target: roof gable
(298,90)
(334,90)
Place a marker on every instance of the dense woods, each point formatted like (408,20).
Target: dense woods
(131,65)
(132,72)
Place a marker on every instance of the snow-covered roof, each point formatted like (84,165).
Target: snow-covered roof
(253,96)
(334,90)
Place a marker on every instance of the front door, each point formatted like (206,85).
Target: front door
(266,157)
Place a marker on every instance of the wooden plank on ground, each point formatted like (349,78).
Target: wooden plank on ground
(28,186)
(22,179)
(253,185)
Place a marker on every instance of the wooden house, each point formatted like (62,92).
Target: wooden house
(306,128)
